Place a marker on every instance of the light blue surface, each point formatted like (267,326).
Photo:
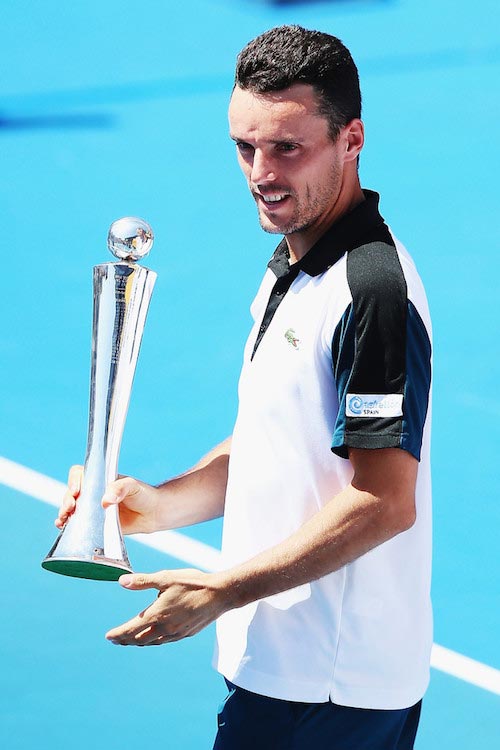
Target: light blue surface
(120,108)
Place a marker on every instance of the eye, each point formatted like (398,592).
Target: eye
(244,148)
(286,147)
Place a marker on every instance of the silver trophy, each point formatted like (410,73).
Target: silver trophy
(91,543)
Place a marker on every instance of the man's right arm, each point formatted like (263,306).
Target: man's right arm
(195,496)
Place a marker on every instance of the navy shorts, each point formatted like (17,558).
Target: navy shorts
(247,721)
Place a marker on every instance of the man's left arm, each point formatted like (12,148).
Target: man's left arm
(378,504)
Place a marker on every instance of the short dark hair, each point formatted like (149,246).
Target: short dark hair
(287,55)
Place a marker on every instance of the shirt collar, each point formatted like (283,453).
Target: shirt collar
(344,234)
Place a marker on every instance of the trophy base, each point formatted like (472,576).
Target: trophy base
(96,570)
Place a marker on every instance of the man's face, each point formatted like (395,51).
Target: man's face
(293,168)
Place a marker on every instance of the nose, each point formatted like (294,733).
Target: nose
(263,168)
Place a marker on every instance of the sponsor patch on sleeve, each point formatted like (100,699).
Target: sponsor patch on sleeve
(374,405)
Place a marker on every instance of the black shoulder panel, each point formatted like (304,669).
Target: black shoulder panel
(379,296)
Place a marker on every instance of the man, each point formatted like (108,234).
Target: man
(323,612)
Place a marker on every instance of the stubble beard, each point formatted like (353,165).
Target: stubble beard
(308,211)
(295,224)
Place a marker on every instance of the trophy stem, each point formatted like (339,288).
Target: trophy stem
(91,544)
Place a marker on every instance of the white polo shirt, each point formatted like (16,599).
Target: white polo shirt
(339,356)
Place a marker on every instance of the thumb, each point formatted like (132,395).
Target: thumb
(118,490)
(139,581)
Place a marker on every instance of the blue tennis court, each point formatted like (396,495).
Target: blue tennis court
(114,109)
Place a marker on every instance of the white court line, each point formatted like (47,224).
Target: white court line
(203,556)
(464,668)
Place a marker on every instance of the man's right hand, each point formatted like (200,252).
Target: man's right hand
(136,500)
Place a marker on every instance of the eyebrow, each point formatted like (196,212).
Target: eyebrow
(276,142)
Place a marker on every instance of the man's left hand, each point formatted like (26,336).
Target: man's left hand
(188,601)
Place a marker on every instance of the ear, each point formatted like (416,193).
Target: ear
(354,135)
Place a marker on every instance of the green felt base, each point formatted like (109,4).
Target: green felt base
(97,571)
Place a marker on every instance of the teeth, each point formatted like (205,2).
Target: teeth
(273,198)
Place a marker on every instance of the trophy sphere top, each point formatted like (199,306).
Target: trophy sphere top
(130,238)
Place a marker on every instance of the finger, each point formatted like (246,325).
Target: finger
(146,637)
(118,490)
(159,641)
(127,633)
(138,639)
(124,634)
(140,627)
(75,480)
(68,503)
(140,581)
(67,508)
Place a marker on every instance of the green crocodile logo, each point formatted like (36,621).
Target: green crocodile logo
(292,339)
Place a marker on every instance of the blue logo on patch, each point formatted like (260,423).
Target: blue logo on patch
(356,404)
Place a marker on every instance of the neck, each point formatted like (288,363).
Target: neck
(299,243)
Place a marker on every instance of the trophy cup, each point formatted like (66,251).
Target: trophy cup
(91,543)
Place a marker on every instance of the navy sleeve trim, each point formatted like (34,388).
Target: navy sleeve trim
(417,382)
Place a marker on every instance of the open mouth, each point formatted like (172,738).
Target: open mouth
(272,200)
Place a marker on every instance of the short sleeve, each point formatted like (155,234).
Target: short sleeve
(381,354)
